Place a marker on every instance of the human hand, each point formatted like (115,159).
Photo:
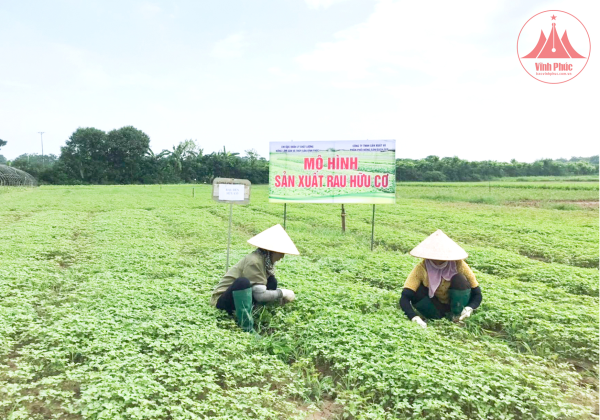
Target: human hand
(465,313)
(419,321)
(287,295)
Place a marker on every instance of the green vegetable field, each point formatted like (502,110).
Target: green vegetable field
(104,307)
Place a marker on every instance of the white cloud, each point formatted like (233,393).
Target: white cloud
(85,66)
(150,10)
(230,47)
(439,78)
(277,78)
(438,39)
(147,80)
(321,4)
(15,84)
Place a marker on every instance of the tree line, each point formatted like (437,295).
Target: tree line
(3,160)
(123,156)
(435,169)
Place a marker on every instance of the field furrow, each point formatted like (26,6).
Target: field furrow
(105,314)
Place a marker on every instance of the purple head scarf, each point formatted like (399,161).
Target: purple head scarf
(438,272)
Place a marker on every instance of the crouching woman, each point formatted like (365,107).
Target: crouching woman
(442,284)
(252,279)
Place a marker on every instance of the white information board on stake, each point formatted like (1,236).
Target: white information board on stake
(231,191)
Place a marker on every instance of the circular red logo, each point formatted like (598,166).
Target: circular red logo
(553,46)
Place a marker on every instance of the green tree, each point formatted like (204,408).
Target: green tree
(432,168)
(252,156)
(434,176)
(84,156)
(255,167)
(124,154)
(224,164)
(156,170)
(179,164)
(182,159)
(3,160)
(34,164)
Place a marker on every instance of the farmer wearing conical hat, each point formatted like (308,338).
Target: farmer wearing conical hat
(253,277)
(442,284)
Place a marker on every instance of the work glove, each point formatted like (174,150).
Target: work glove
(271,283)
(465,313)
(287,295)
(419,321)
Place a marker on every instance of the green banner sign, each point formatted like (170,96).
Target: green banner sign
(333,172)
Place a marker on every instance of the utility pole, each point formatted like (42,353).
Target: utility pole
(42,138)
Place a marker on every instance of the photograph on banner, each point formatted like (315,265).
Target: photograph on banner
(360,171)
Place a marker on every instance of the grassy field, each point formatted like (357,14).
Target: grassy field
(104,307)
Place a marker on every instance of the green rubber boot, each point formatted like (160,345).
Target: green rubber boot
(243,309)
(426,308)
(458,300)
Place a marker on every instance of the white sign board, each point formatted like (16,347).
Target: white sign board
(231,192)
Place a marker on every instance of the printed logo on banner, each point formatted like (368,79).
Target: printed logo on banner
(553,46)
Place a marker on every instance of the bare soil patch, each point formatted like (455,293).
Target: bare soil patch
(328,410)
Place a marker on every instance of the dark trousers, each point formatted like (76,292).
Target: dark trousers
(225,301)
(458,283)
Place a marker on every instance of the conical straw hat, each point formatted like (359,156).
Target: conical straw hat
(438,246)
(274,239)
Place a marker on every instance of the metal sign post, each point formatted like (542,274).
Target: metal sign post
(229,236)
(373,227)
(231,191)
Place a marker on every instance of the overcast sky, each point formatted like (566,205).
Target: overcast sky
(440,77)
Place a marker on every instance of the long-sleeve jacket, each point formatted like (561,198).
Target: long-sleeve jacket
(252,266)
(261,294)
(419,276)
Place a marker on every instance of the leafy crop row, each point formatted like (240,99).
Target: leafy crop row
(104,311)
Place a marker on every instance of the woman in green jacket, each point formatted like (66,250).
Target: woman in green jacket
(252,279)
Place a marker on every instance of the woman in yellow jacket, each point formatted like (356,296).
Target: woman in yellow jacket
(442,284)
(252,279)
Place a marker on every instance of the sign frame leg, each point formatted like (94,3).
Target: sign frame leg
(229,237)
(373,227)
